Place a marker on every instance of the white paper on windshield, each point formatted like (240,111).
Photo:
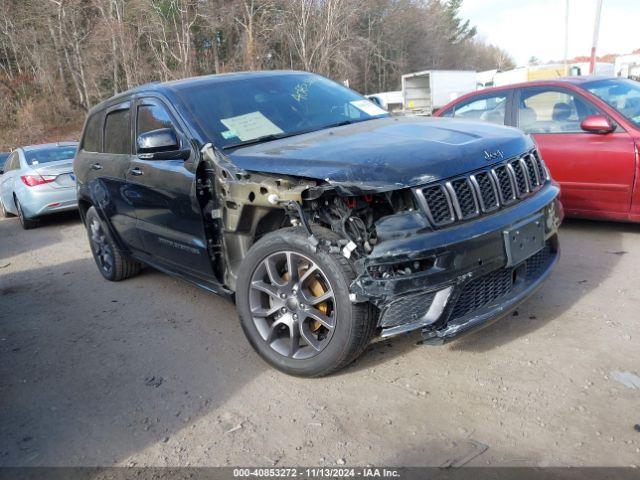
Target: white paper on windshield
(250,126)
(368,107)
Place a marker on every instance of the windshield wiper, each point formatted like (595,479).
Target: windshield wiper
(340,124)
(267,138)
(264,138)
(346,122)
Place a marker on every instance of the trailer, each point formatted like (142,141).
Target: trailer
(426,91)
(391,101)
(603,69)
(627,66)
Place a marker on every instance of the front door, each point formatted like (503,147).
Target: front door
(169,218)
(595,171)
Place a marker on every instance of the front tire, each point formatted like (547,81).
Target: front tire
(27,223)
(113,264)
(294,306)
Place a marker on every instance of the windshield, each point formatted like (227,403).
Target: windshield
(3,158)
(52,154)
(619,93)
(263,108)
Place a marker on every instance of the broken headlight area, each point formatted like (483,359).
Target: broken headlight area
(354,218)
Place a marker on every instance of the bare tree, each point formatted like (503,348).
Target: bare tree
(60,57)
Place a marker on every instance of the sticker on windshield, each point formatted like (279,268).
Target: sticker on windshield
(251,126)
(227,134)
(367,107)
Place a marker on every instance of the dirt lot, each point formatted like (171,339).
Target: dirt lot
(154,371)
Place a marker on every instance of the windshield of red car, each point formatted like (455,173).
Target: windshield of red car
(250,110)
(619,93)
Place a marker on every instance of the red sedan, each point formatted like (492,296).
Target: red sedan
(587,130)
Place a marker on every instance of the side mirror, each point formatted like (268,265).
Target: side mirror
(597,124)
(161,144)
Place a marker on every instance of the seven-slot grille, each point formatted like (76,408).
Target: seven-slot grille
(483,192)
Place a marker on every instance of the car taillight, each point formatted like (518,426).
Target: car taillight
(34,180)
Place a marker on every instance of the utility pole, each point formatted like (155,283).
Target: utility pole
(566,37)
(596,30)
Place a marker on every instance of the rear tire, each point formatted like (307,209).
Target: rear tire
(27,223)
(282,314)
(114,265)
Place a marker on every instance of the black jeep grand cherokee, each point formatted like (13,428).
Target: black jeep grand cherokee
(329,221)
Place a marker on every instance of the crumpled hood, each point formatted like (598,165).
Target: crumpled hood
(386,153)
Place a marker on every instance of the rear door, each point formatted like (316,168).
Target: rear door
(105,154)
(595,171)
(169,218)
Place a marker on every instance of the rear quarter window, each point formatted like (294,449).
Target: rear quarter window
(92,138)
(13,162)
(117,132)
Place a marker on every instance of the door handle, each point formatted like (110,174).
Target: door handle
(96,166)
(136,171)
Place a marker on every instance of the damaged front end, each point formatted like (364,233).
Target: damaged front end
(438,258)
(477,247)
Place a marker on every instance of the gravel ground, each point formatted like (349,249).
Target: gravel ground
(154,371)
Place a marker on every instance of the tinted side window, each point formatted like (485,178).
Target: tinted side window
(552,111)
(117,132)
(152,117)
(92,139)
(489,109)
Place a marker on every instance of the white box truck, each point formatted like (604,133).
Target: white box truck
(391,101)
(425,92)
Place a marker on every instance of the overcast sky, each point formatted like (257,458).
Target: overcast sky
(527,28)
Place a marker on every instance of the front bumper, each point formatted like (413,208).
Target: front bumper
(39,201)
(526,279)
(461,280)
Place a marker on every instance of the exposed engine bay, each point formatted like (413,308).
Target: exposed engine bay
(246,205)
(354,217)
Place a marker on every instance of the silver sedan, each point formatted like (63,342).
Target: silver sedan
(38,180)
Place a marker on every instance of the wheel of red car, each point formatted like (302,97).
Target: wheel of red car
(294,306)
